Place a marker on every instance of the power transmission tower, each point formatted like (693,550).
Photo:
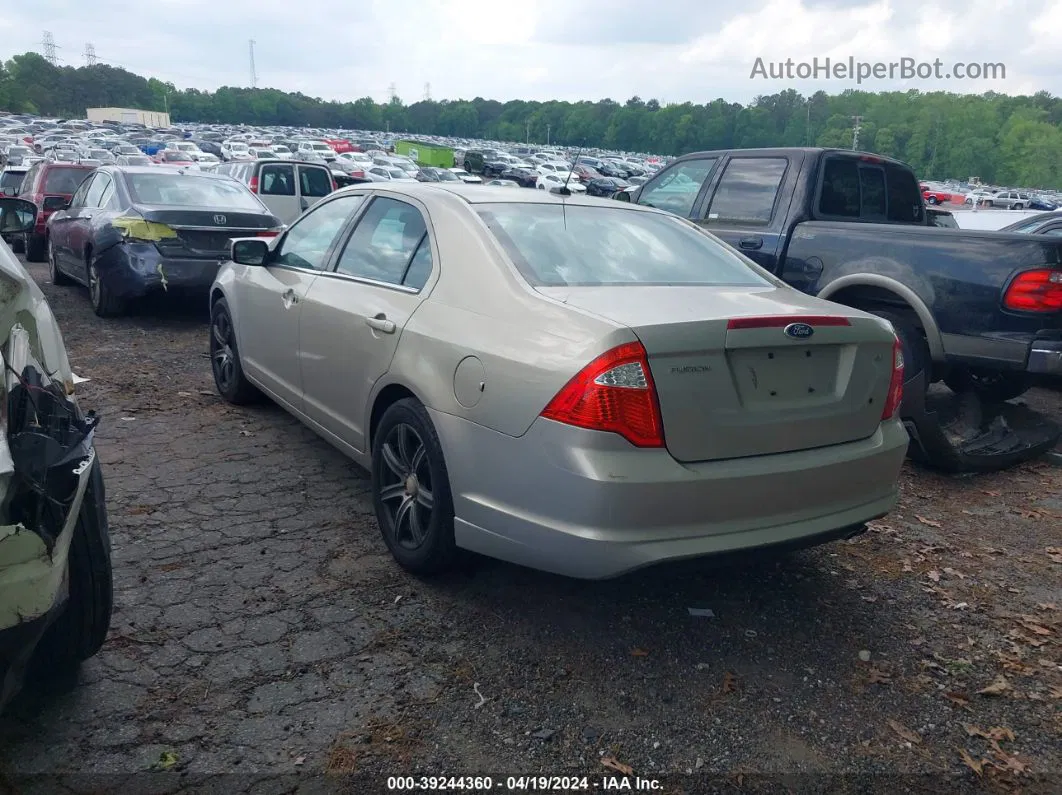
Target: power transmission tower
(90,55)
(392,91)
(254,74)
(50,47)
(427,92)
(856,120)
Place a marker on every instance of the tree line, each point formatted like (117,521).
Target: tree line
(1008,140)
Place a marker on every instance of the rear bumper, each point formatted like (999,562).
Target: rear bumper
(1045,357)
(589,505)
(132,270)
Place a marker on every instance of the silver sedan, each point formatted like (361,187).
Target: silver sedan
(573,384)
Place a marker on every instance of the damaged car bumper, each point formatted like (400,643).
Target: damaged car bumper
(134,269)
(47,467)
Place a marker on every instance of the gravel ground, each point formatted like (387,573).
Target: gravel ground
(263,640)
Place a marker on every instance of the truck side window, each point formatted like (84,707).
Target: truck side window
(747,191)
(676,189)
(840,188)
(905,200)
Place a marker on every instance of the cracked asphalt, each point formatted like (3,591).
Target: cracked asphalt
(263,640)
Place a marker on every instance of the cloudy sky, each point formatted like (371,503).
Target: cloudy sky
(673,50)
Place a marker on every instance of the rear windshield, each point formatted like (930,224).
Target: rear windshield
(64,180)
(11,179)
(186,190)
(555,245)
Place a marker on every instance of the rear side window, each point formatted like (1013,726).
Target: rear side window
(747,191)
(277,180)
(314,182)
(553,245)
(64,180)
(868,191)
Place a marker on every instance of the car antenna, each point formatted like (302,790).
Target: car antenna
(564,188)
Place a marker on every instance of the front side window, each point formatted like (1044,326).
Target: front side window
(386,244)
(314,182)
(100,183)
(78,199)
(307,243)
(747,191)
(677,190)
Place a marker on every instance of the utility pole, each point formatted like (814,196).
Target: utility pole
(547,134)
(392,91)
(807,127)
(527,132)
(90,55)
(855,131)
(427,92)
(50,47)
(254,73)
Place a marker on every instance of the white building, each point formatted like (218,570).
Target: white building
(149,118)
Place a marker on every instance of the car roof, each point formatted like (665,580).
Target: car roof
(428,192)
(157,170)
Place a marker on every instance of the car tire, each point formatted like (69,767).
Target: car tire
(79,631)
(1018,206)
(991,386)
(36,248)
(58,278)
(104,302)
(916,355)
(225,363)
(418,530)
(933,200)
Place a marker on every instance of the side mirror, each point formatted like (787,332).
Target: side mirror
(622,196)
(17,215)
(249,251)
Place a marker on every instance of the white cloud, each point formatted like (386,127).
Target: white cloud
(673,50)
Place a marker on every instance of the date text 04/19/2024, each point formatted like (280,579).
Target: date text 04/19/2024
(522,784)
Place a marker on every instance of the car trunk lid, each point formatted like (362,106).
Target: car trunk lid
(732,383)
(206,232)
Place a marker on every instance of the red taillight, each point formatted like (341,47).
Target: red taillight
(254,184)
(358,174)
(615,393)
(895,396)
(268,233)
(1035,291)
(780,321)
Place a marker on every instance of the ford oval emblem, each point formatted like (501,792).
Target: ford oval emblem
(798,331)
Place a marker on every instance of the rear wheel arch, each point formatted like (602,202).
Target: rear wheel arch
(870,293)
(388,396)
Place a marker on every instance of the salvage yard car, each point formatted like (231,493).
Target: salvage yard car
(479,348)
(55,558)
(980,311)
(131,230)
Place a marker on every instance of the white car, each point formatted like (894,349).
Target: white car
(236,150)
(553,168)
(464,176)
(388,174)
(554,182)
(281,152)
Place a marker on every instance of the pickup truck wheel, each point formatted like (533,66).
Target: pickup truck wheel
(915,349)
(933,200)
(991,386)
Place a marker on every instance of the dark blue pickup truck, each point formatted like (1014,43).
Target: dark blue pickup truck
(981,311)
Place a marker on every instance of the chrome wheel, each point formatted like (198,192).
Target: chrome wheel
(222,356)
(95,288)
(405,486)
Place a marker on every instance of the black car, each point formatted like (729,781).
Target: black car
(495,168)
(605,186)
(612,170)
(131,230)
(430,174)
(1042,224)
(524,177)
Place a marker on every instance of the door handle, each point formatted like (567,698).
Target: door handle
(751,243)
(381,323)
(290,297)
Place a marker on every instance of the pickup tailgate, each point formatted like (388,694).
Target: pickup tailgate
(731,383)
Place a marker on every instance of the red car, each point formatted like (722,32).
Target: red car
(174,157)
(50,186)
(935,196)
(340,145)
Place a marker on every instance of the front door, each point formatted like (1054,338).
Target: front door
(271,299)
(354,316)
(315,182)
(278,190)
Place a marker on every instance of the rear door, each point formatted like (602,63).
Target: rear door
(278,190)
(315,182)
(270,298)
(748,207)
(354,315)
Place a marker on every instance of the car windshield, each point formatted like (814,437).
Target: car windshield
(64,180)
(556,245)
(187,190)
(178,157)
(11,179)
(447,176)
(137,160)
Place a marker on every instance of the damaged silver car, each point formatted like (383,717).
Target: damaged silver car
(55,556)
